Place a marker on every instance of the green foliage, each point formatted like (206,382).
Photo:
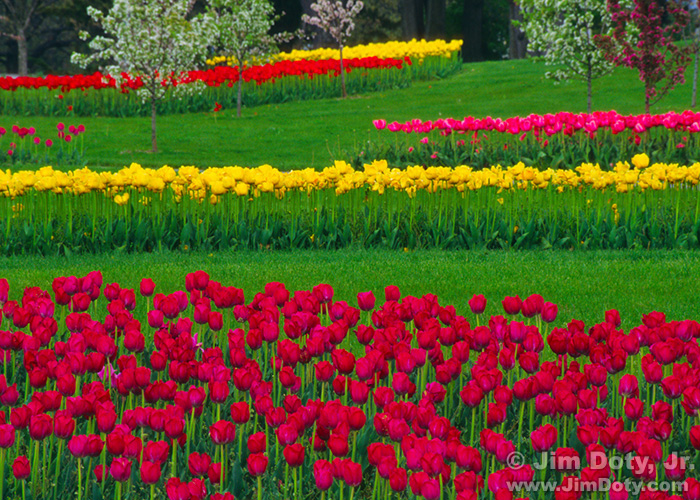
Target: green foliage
(42,224)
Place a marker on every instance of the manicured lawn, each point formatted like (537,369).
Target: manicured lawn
(583,284)
(314,133)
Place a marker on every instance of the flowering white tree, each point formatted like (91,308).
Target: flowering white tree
(336,19)
(148,39)
(240,29)
(563,31)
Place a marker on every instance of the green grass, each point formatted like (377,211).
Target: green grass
(583,284)
(314,133)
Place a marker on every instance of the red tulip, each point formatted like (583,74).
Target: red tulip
(398,479)
(177,490)
(147,287)
(549,312)
(150,472)
(566,460)
(222,432)
(691,489)
(240,412)
(120,469)
(294,454)
(532,305)
(352,473)
(20,467)
(7,436)
(106,420)
(287,434)
(634,409)
(40,427)
(174,427)
(392,293)
(695,437)
(343,361)
(613,316)
(472,395)
(323,474)
(257,443)
(257,464)
(543,438)
(156,451)
(198,464)
(628,386)
(365,301)
(512,305)
(338,445)
(675,467)
(477,304)
(214,473)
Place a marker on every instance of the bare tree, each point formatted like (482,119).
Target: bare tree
(16,18)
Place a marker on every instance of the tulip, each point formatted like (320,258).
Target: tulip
(549,312)
(150,472)
(120,469)
(257,464)
(40,427)
(147,287)
(323,475)
(214,473)
(240,412)
(222,432)
(695,437)
(294,454)
(7,436)
(352,473)
(198,464)
(634,409)
(398,479)
(20,468)
(512,305)
(365,301)
(543,438)
(477,304)
(257,443)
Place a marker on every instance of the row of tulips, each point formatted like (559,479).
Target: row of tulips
(639,177)
(198,90)
(27,146)
(551,140)
(417,50)
(137,209)
(199,393)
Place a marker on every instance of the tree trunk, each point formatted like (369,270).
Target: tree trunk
(646,99)
(695,77)
(472,21)
(239,91)
(154,144)
(589,84)
(435,25)
(517,41)
(410,15)
(22,58)
(342,74)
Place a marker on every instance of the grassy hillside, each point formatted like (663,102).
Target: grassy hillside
(314,133)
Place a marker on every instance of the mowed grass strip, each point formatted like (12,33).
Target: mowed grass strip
(314,133)
(583,284)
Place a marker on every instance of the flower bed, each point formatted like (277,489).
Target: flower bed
(550,140)
(112,391)
(137,209)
